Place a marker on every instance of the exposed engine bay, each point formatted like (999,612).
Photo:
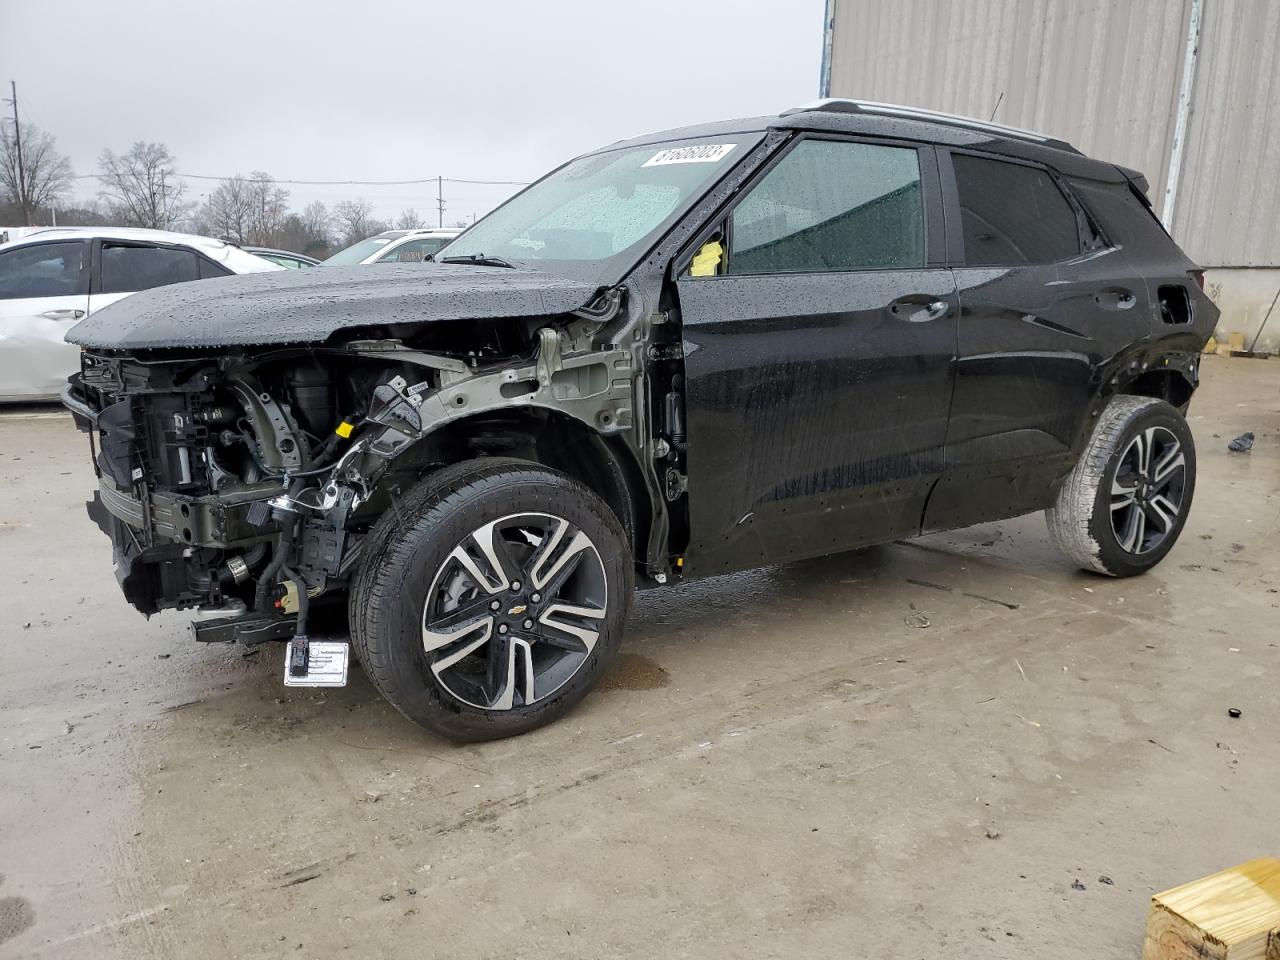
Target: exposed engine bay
(246,481)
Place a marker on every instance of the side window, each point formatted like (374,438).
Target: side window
(413,251)
(44,270)
(210,269)
(1011,214)
(831,206)
(127,267)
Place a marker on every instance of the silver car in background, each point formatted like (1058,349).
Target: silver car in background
(51,278)
(394,246)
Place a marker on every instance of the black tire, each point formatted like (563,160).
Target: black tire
(1113,516)
(427,553)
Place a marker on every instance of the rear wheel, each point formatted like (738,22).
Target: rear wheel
(493,598)
(1124,505)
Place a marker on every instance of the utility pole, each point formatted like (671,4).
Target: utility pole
(440,200)
(17,141)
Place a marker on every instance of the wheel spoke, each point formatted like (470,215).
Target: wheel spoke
(456,624)
(1142,446)
(465,650)
(1135,526)
(1122,497)
(494,579)
(544,570)
(588,637)
(515,661)
(1166,468)
(1164,511)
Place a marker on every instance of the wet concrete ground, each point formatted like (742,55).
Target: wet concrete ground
(787,763)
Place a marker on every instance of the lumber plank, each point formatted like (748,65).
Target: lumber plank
(1231,915)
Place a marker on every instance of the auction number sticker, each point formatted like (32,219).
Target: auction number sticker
(326,665)
(703,153)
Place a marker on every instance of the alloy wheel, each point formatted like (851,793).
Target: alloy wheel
(1147,491)
(514,611)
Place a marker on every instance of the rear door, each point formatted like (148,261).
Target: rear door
(1044,301)
(44,290)
(122,267)
(818,356)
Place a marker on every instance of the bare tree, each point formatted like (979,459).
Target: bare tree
(268,205)
(227,212)
(46,173)
(141,187)
(354,220)
(409,220)
(317,223)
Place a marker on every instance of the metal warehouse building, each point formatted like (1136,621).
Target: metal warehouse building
(1187,91)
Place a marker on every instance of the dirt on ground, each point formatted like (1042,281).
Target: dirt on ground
(955,746)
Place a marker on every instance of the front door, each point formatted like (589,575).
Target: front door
(44,290)
(818,357)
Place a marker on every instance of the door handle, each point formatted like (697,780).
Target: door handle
(62,314)
(918,309)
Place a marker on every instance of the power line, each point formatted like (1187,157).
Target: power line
(345,183)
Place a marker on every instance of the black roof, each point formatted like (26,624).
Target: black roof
(906,123)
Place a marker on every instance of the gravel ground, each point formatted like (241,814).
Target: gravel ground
(786,763)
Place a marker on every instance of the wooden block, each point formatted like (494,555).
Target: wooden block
(1232,915)
(1235,341)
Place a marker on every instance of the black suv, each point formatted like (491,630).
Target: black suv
(692,352)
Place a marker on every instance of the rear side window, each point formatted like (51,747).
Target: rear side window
(210,269)
(831,206)
(413,251)
(1012,214)
(1125,218)
(44,270)
(126,268)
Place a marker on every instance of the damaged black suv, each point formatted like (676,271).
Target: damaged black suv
(684,354)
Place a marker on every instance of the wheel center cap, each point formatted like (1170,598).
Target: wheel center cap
(517,610)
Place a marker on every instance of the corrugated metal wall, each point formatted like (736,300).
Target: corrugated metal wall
(1103,74)
(1228,210)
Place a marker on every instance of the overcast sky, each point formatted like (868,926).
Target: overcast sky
(393,90)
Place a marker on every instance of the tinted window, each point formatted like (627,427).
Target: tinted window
(1010,213)
(44,270)
(127,268)
(414,251)
(830,206)
(210,269)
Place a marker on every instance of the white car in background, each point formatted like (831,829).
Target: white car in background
(49,279)
(394,246)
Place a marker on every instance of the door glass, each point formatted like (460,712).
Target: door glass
(210,269)
(830,206)
(1011,214)
(44,270)
(414,251)
(127,268)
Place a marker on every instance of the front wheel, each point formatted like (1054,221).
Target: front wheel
(494,597)
(1126,501)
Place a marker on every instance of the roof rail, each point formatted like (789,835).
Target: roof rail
(839,105)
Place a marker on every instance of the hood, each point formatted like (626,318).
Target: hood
(309,306)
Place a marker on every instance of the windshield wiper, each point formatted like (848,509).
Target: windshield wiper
(480,259)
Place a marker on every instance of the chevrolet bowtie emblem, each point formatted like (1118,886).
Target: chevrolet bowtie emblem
(517,610)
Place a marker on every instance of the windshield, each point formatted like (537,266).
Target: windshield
(601,206)
(357,252)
